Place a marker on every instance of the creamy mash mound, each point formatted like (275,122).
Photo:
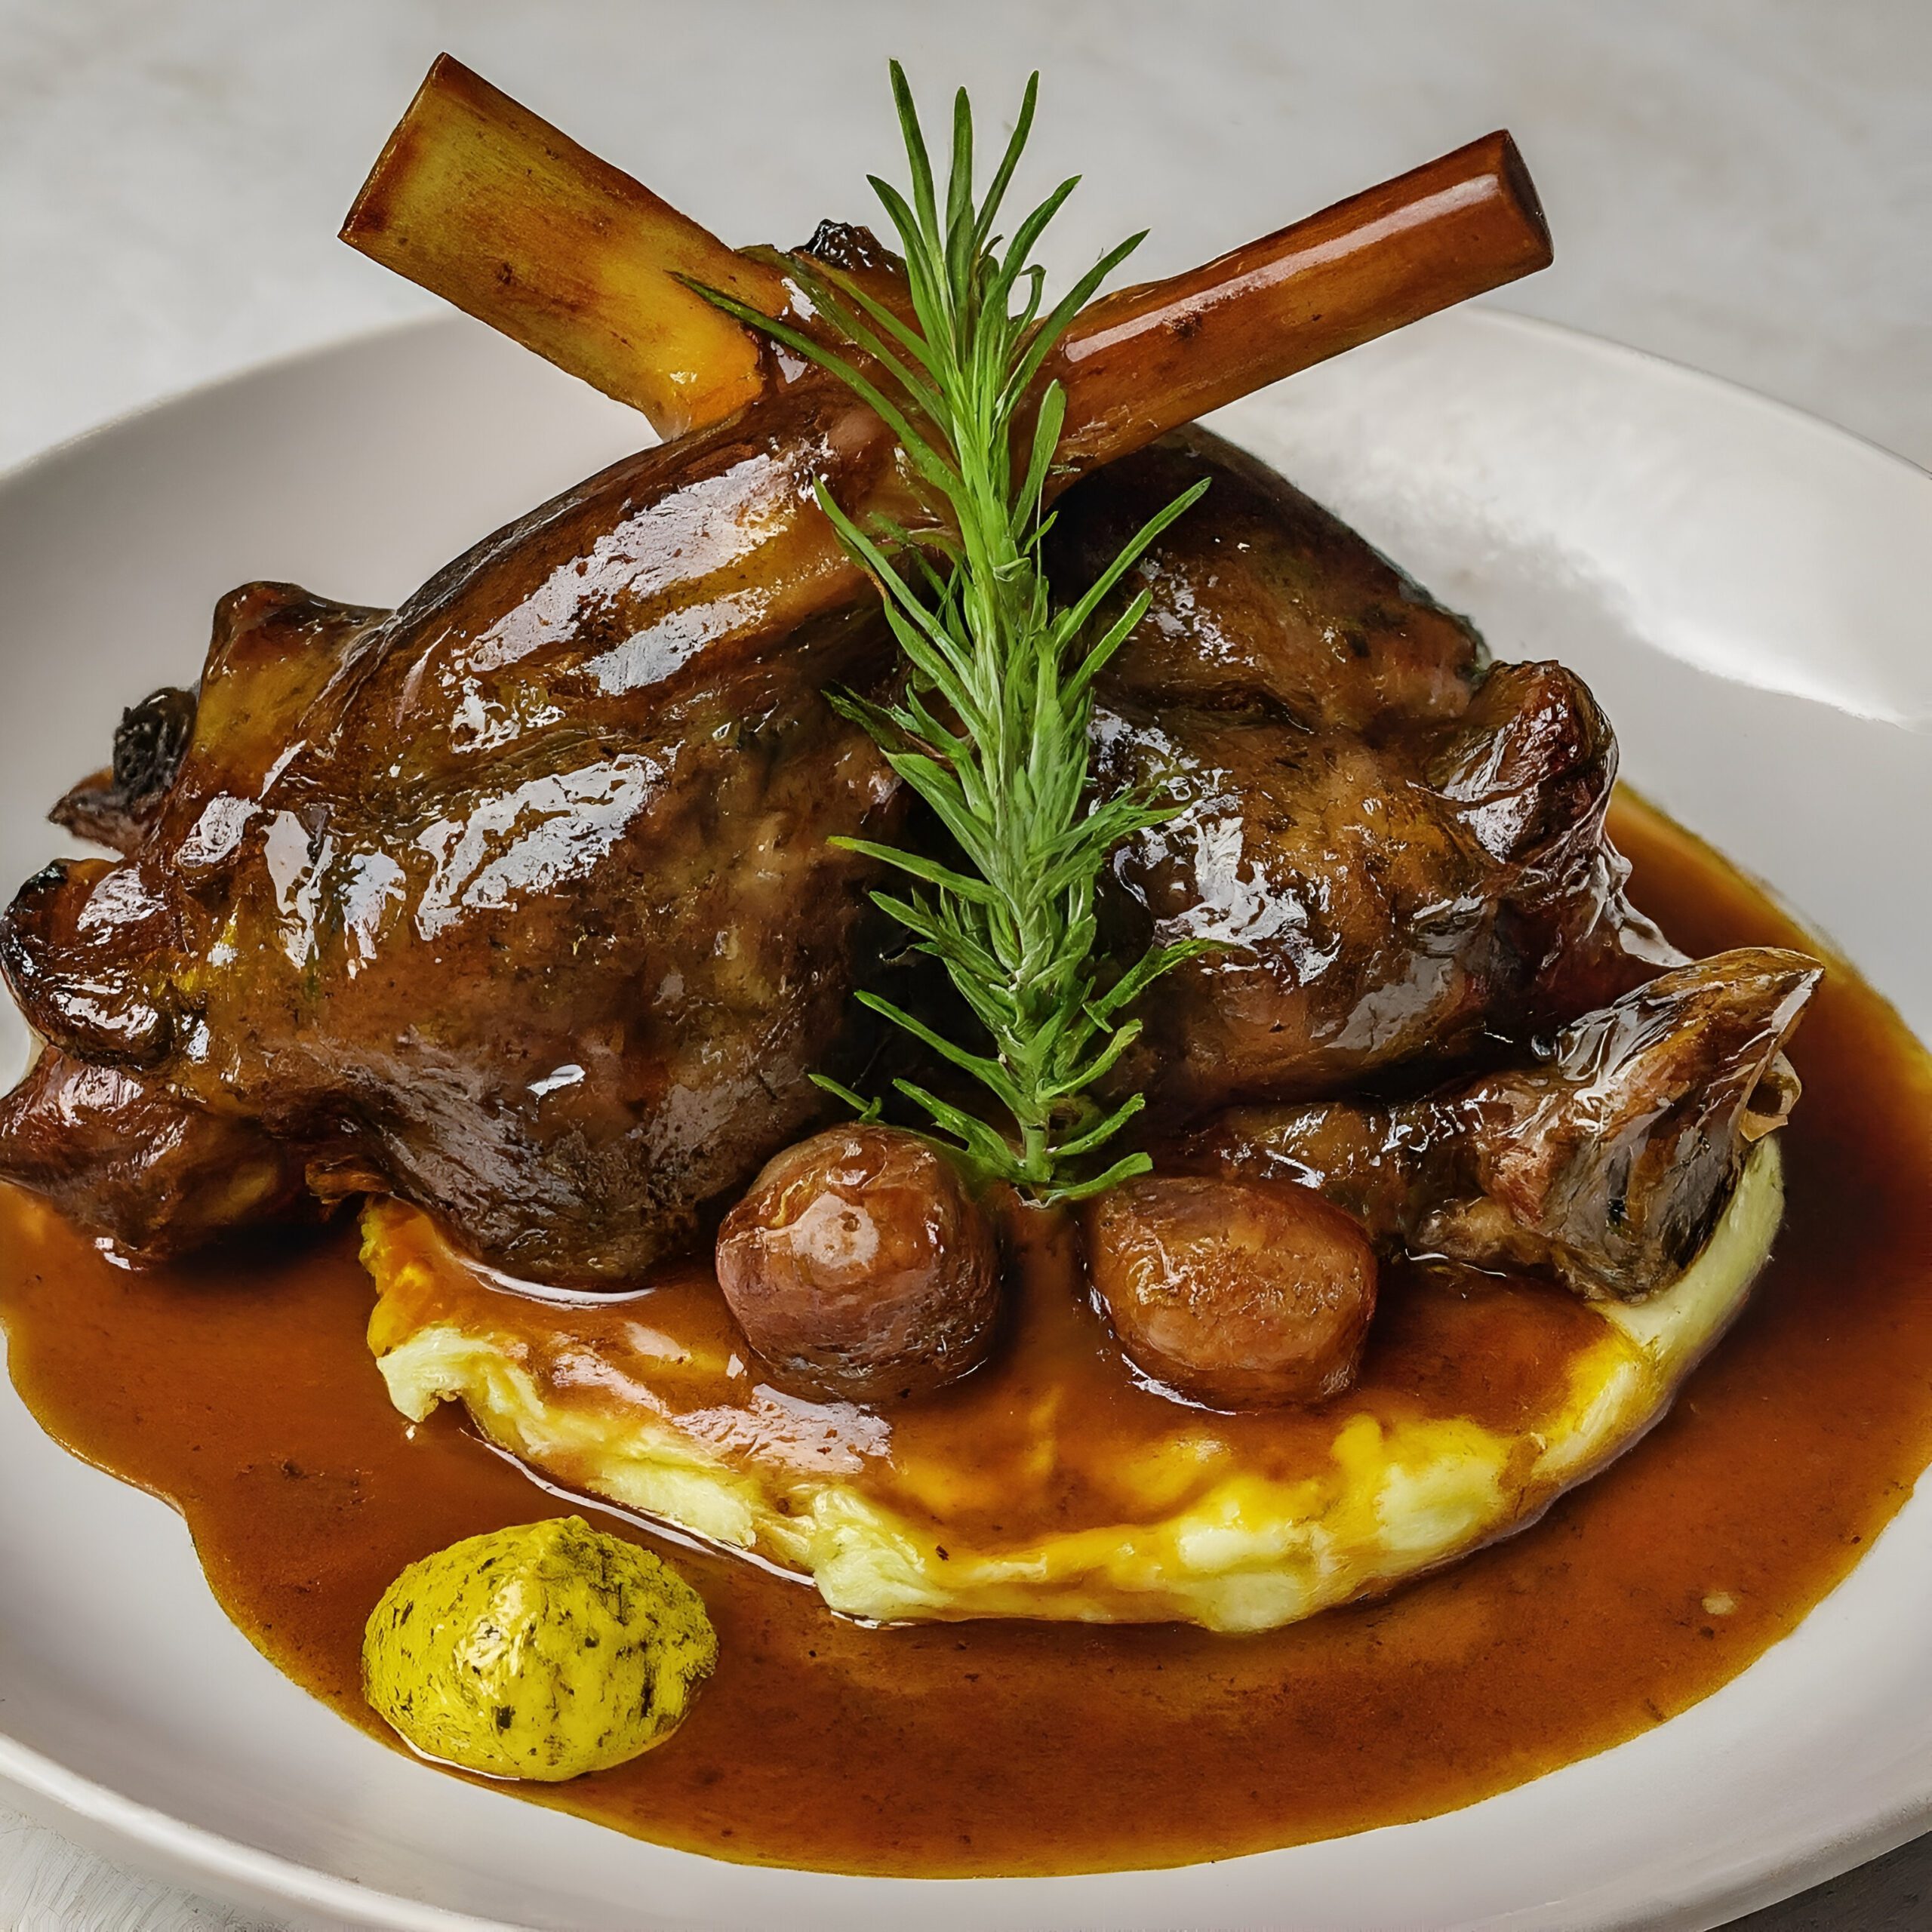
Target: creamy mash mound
(1052,1484)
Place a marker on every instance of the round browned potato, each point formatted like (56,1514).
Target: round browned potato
(858,1265)
(1239,1294)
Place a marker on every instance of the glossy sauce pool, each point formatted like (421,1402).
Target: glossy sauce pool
(243,1393)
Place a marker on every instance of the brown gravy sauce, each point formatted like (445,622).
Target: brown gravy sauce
(242,1392)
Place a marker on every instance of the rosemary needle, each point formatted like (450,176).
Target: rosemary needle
(991,730)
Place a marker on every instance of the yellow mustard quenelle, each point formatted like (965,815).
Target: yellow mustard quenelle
(541,1651)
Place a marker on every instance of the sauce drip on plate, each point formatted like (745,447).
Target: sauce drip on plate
(242,1391)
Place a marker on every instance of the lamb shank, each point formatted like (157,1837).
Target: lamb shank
(521,901)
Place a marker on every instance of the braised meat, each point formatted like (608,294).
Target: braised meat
(519,901)
(1262,597)
(118,1152)
(1604,1162)
(116,807)
(1398,850)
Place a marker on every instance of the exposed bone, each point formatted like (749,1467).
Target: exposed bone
(1770,1102)
(1145,360)
(485,203)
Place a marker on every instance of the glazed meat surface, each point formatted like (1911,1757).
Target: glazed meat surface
(1260,596)
(118,1151)
(519,902)
(1397,849)
(1603,1162)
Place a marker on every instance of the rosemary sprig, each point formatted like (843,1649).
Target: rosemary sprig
(991,730)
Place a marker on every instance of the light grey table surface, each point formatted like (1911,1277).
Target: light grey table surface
(1744,187)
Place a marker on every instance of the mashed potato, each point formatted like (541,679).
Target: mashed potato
(1051,1484)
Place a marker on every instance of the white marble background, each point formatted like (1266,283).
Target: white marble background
(1742,185)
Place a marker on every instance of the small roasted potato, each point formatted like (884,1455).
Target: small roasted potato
(1237,1293)
(859,1267)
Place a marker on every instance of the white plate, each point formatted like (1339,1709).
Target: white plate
(1745,589)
